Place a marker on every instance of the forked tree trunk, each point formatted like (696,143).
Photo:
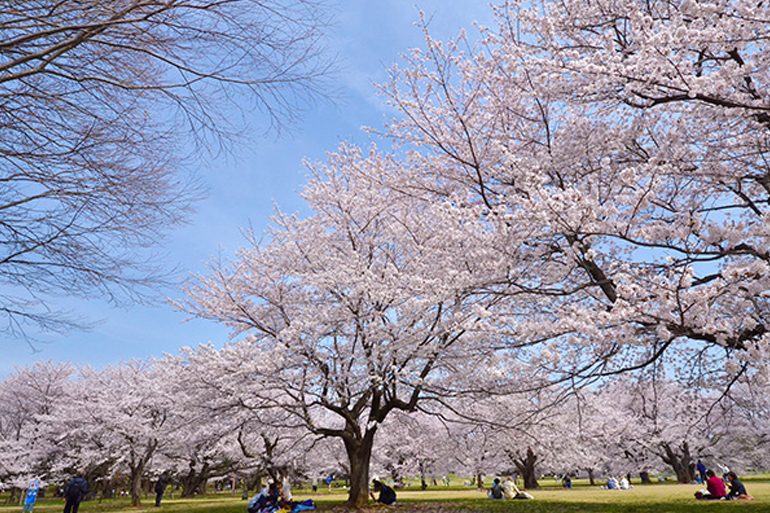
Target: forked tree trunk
(359,451)
(526,467)
(195,480)
(679,460)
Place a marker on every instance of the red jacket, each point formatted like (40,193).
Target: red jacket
(716,486)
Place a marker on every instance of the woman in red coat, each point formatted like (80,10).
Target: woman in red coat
(715,487)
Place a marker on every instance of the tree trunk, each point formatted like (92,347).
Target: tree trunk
(251,482)
(645,477)
(479,481)
(526,467)
(679,460)
(359,451)
(136,485)
(591,477)
(137,469)
(195,480)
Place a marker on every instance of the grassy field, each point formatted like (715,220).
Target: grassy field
(655,498)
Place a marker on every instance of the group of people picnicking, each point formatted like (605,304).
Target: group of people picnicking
(274,499)
(277,497)
(613,483)
(717,491)
(506,490)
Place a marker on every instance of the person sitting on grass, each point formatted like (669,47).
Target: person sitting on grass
(496,492)
(387,494)
(625,484)
(510,490)
(715,488)
(737,489)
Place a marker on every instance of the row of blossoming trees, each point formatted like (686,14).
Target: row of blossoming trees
(582,193)
(185,419)
(132,422)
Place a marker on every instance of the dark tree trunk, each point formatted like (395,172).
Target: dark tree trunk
(195,480)
(645,477)
(106,490)
(526,467)
(679,460)
(591,477)
(359,451)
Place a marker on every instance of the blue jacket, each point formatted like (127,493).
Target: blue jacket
(76,490)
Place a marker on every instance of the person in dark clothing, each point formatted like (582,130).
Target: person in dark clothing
(258,502)
(74,493)
(496,492)
(160,487)
(387,494)
(737,489)
(702,471)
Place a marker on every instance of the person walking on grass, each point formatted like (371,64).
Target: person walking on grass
(160,487)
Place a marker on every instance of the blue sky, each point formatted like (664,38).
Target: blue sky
(367,36)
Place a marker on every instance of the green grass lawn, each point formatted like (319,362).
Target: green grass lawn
(655,498)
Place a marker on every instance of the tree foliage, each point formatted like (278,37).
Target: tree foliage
(618,150)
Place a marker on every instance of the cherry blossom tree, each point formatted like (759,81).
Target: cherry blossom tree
(261,439)
(744,441)
(617,150)
(354,311)
(504,429)
(414,444)
(127,414)
(678,426)
(202,446)
(31,435)
(600,437)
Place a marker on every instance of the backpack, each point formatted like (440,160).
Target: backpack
(304,506)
